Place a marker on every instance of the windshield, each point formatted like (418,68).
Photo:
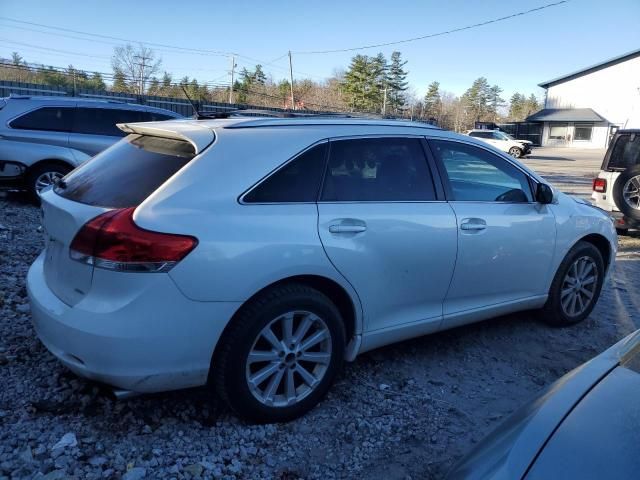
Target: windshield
(504,136)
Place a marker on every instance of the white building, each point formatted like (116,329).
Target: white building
(583,108)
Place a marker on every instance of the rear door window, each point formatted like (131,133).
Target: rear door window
(102,121)
(54,119)
(126,173)
(626,152)
(388,169)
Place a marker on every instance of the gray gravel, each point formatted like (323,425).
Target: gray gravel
(405,411)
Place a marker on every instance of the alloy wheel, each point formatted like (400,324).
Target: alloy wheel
(631,192)
(515,152)
(579,286)
(288,359)
(46,179)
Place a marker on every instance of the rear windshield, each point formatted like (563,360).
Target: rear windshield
(126,173)
(626,152)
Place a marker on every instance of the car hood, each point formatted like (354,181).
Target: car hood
(510,450)
(604,428)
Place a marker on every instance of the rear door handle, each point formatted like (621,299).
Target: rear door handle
(347,225)
(473,224)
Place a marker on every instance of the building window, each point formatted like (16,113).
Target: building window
(558,131)
(583,132)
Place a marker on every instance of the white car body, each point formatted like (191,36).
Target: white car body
(502,141)
(408,268)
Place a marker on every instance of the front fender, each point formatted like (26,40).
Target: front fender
(575,221)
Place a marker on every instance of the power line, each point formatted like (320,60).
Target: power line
(119,39)
(431,35)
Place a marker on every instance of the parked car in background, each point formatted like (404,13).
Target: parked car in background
(256,254)
(585,425)
(617,187)
(44,138)
(503,141)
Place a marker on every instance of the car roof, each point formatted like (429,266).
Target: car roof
(88,101)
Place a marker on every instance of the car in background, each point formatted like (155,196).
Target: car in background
(503,141)
(44,138)
(256,254)
(617,187)
(586,425)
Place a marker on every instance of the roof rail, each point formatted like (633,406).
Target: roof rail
(257,112)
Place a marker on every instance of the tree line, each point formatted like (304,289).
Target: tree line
(369,84)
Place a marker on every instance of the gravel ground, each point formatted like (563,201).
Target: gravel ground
(405,411)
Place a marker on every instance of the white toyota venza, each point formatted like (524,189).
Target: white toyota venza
(256,255)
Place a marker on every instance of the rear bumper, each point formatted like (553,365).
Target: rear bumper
(152,340)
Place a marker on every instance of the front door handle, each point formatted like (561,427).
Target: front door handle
(473,224)
(347,225)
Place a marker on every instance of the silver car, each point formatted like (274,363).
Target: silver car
(44,138)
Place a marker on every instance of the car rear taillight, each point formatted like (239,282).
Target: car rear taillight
(114,242)
(599,185)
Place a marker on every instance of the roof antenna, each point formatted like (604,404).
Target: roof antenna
(193,105)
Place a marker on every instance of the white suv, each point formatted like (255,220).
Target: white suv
(256,255)
(503,141)
(617,187)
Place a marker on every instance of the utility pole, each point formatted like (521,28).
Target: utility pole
(233,69)
(293,104)
(384,102)
(142,64)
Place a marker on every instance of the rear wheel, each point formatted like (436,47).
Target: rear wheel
(45,175)
(280,355)
(515,152)
(576,286)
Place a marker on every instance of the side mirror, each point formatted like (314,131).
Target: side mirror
(544,193)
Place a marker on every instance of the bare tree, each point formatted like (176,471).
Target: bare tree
(136,65)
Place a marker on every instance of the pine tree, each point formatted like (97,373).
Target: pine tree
(119,82)
(432,101)
(476,99)
(361,84)
(397,82)
(516,105)
(258,76)
(531,106)
(495,101)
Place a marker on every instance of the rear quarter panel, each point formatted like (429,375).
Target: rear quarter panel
(242,248)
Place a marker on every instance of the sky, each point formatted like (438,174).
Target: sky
(515,54)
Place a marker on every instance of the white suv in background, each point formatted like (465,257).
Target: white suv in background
(617,187)
(503,141)
(255,255)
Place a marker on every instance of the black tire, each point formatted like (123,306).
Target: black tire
(229,363)
(553,312)
(516,152)
(36,172)
(622,232)
(618,186)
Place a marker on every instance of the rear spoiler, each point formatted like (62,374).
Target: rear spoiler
(197,135)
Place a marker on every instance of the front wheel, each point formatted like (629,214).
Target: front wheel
(576,286)
(515,152)
(280,355)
